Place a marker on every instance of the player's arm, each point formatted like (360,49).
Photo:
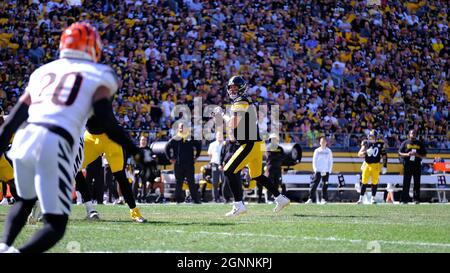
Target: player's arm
(363,151)
(104,113)
(198,148)
(384,157)
(18,115)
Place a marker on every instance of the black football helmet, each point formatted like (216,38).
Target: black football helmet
(373,136)
(241,84)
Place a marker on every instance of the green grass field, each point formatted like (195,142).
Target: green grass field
(298,228)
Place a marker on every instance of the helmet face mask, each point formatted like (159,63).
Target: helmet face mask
(236,87)
(372,137)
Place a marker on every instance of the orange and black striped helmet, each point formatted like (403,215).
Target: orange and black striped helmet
(82,41)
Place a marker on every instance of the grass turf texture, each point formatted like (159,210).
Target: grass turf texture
(298,228)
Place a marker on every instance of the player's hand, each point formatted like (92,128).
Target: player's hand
(173,161)
(370,151)
(323,173)
(218,111)
(383,170)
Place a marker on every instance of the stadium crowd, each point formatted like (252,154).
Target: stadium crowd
(339,67)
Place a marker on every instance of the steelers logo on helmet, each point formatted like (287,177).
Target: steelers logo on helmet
(372,137)
(239,90)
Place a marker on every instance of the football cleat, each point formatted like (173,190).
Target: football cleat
(323,202)
(4,248)
(137,216)
(310,201)
(91,212)
(360,201)
(238,209)
(281,202)
(372,200)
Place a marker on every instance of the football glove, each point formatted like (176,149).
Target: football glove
(383,170)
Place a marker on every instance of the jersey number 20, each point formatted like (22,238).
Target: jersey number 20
(61,88)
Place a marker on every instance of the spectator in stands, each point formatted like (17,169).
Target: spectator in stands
(333,51)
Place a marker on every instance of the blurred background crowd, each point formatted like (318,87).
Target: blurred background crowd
(336,67)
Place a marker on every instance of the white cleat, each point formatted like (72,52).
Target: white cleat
(4,202)
(310,201)
(282,202)
(323,202)
(360,201)
(8,249)
(372,200)
(238,209)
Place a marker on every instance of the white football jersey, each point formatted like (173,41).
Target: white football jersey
(61,92)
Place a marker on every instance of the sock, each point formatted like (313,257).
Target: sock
(374,190)
(53,231)
(17,217)
(82,186)
(235,185)
(12,190)
(125,188)
(363,189)
(265,182)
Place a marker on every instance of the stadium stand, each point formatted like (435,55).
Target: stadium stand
(339,67)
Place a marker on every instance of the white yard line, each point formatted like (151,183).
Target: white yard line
(304,238)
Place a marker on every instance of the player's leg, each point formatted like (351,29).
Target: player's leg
(86,154)
(375,175)
(82,187)
(312,192)
(254,162)
(231,171)
(53,184)
(365,181)
(115,156)
(18,214)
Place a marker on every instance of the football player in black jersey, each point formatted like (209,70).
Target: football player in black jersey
(244,123)
(373,151)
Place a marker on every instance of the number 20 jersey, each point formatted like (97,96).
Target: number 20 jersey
(62,91)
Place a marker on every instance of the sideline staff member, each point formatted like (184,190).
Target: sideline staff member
(411,151)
